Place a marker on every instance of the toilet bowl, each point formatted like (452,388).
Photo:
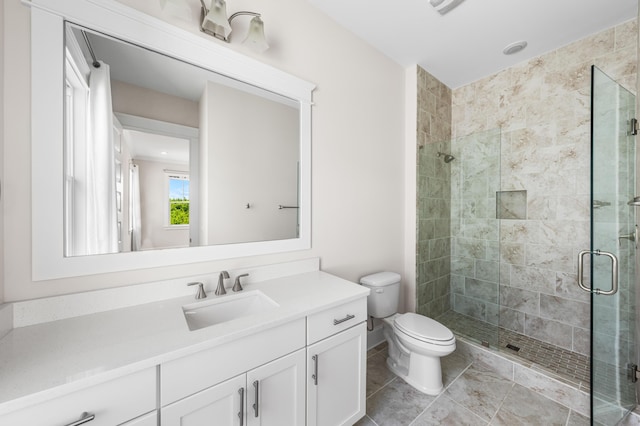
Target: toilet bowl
(414,357)
(416,342)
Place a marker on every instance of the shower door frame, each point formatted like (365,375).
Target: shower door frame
(612,253)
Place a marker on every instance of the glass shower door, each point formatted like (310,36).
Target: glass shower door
(613,249)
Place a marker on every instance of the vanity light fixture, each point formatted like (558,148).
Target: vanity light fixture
(214,22)
(445,6)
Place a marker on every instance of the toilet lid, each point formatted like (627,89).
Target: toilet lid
(423,328)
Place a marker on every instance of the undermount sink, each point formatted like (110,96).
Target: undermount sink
(226,308)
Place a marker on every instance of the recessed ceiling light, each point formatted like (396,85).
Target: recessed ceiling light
(164,152)
(514,47)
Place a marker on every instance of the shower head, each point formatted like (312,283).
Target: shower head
(447,157)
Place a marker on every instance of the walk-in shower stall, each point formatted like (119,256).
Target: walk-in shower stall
(502,226)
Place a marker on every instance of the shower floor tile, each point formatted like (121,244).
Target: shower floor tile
(570,366)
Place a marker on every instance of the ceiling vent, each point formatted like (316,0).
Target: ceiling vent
(445,6)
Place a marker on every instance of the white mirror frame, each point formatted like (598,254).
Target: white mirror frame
(120,21)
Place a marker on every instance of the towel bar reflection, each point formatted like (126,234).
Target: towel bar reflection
(614,272)
(280,207)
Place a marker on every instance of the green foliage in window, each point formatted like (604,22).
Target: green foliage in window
(179,211)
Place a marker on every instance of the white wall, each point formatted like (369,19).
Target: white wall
(261,159)
(358,137)
(17,147)
(203,170)
(2,39)
(142,102)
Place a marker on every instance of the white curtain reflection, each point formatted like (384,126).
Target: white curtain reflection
(102,229)
(134,207)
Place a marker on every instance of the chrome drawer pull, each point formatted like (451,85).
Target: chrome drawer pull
(340,321)
(256,407)
(241,413)
(315,370)
(84,418)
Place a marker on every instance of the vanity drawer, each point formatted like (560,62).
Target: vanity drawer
(112,403)
(326,323)
(185,376)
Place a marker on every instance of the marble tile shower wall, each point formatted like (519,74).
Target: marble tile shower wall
(542,107)
(434,195)
(475,259)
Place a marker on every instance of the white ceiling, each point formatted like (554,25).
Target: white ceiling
(154,147)
(466,44)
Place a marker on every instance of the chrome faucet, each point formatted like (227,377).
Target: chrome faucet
(220,289)
(237,286)
(200,294)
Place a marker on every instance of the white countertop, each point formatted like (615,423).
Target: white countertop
(43,361)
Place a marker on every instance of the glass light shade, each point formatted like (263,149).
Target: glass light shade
(444,7)
(216,21)
(255,37)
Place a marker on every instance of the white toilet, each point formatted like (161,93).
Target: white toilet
(416,342)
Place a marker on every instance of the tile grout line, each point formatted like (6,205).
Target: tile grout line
(441,394)
(469,410)
(372,421)
(513,384)
(382,387)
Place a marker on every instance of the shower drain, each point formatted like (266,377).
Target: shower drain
(513,347)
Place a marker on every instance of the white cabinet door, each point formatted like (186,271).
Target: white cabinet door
(220,405)
(336,368)
(276,392)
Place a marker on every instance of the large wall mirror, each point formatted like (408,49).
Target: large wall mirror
(169,148)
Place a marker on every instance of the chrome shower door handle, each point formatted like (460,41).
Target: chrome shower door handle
(614,272)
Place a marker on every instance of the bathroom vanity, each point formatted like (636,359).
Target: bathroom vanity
(300,362)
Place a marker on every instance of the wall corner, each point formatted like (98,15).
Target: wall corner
(410,159)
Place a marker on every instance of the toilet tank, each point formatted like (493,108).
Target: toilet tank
(385,293)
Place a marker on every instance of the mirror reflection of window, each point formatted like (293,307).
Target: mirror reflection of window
(178,195)
(162,189)
(76,98)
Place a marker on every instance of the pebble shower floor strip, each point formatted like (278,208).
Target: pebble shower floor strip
(571,366)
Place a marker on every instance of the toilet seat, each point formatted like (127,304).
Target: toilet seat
(423,328)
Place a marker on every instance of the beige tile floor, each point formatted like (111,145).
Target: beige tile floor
(473,395)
